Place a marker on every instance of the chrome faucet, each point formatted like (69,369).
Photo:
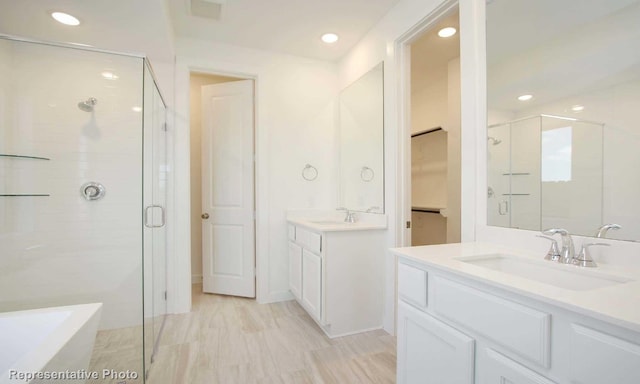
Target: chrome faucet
(602,231)
(350,217)
(568,251)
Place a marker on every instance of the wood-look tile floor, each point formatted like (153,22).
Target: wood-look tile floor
(230,340)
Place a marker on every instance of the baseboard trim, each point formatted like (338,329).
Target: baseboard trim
(275,297)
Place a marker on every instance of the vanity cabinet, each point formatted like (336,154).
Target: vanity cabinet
(456,329)
(430,351)
(312,283)
(337,276)
(495,368)
(295,270)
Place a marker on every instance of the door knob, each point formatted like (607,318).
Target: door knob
(205,216)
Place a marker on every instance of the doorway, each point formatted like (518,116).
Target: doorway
(222,184)
(434,134)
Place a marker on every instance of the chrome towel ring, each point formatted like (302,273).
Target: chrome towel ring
(367,174)
(309,172)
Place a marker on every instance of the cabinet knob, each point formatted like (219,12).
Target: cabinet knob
(205,215)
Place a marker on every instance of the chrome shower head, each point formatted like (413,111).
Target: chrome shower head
(88,104)
(494,141)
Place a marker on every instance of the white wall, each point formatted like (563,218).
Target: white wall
(63,249)
(295,126)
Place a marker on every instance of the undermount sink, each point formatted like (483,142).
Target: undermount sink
(547,272)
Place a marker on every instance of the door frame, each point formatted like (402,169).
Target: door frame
(403,58)
(472,127)
(180,258)
(472,58)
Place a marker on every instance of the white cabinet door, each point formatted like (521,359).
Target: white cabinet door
(295,270)
(597,357)
(430,351)
(495,368)
(312,283)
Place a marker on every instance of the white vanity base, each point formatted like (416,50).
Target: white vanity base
(460,323)
(336,275)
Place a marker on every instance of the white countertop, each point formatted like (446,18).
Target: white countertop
(330,225)
(616,304)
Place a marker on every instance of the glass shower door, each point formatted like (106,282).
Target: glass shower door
(155,190)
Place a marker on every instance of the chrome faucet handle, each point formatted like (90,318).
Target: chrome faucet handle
(602,231)
(554,253)
(584,258)
(351,217)
(568,251)
(555,231)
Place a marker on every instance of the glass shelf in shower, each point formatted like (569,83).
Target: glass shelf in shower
(24,157)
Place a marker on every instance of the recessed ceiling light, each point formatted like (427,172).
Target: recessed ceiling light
(577,108)
(65,18)
(109,75)
(525,97)
(447,32)
(329,38)
(136,109)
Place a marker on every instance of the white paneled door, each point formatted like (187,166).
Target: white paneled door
(228,230)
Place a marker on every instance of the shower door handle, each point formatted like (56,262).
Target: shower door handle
(504,211)
(146,216)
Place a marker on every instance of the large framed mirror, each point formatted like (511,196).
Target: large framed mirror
(361,143)
(563,81)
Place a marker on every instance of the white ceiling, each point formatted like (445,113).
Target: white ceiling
(430,53)
(287,26)
(130,26)
(150,27)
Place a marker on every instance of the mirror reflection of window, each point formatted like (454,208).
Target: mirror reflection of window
(556,154)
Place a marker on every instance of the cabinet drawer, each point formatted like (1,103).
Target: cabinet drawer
(292,232)
(309,240)
(430,351)
(496,368)
(412,285)
(597,357)
(515,327)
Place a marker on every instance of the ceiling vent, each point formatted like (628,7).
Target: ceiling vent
(210,9)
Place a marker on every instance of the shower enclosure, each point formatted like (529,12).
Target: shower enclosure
(535,164)
(83,184)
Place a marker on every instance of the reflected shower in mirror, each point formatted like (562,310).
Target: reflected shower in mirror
(563,95)
(361,144)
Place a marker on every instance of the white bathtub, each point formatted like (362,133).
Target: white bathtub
(57,339)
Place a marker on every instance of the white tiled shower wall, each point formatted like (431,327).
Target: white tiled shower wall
(63,249)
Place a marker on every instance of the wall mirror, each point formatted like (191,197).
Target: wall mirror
(361,144)
(563,138)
